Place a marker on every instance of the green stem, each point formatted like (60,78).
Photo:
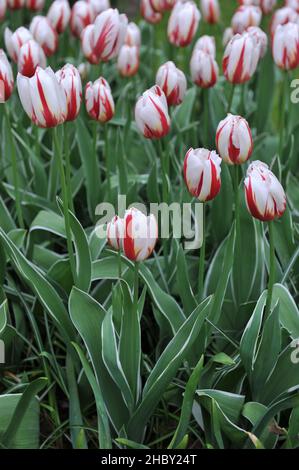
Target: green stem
(283,114)
(136,286)
(230,100)
(271,268)
(119,265)
(206,116)
(164,163)
(238,228)
(65,204)
(202,259)
(14,168)
(68,167)
(106,154)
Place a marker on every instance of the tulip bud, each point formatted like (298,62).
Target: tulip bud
(99,101)
(148,13)
(246,16)
(6,78)
(265,5)
(240,58)
(210,11)
(15,4)
(283,16)
(109,34)
(87,44)
(260,37)
(2,9)
(82,15)
(43,98)
(35,5)
(99,5)
(30,57)
(140,235)
(84,69)
(234,140)
(265,196)
(173,83)
(183,23)
(204,69)
(227,36)
(128,61)
(14,41)
(162,5)
(115,232)
(151,114)
(59,15)
(202,169)
(286,46)
(292,4)
(69,78)
(133,35)
(206,44)
(44,33)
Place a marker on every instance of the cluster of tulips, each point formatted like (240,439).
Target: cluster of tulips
(50,99)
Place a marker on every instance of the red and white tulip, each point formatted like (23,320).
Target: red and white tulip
(44,33)
(140,235)
(99,5)
(69,78)
(43,98)
(14,41)
(35,5)
(133,35)
(31,56)
(210,11)
(15,4)
(240,58)
(115,232)
(234,140)
(82,15)
(202,173)
(109,34)
(128,60)
(6,78)
(265,5)
(283,16)
(99,101)
(260,37)
(59,15)
(206,44)
(183,23)
(162,5)
(148,13)
(173,83)
(244,17)
(151,114)
(264,194)
(285,46)
(204,69)
(227,36)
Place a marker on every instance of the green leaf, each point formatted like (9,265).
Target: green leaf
(288,310)
(183,282)
(3,316)
(265,91)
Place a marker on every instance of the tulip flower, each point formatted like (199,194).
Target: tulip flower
(87,44)
(283,16)
(244,17)
(43,98)
(240,58)
(173,83)
(140,235)
(183,23)
(14,41)
(210,11)
(202,170)
(3,7)
(133,35)
(115,232)
(265,5)
(44,33)
(81,16)
(109,34)
(69,78)
(35,5)
(99,100)
(204,69)
(59,15)
(162,5)
(292,4)
(15,4)
(286,46)
(31,56)
(206,44)
(151,114)
(6,78)
(99,5)
(128,60)
(148,13)
(83,70)
(234,140)
(227,36)
(260,37)
(265,196)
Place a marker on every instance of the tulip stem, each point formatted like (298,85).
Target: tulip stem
(164,165)
(206,116)
(230,99)
(65,203)
(136,285)
(283,114)
(68,166)
(14,165)
(106,154)
(202,257)
(271,268)
(238,229)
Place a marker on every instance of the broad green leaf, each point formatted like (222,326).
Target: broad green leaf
(183,282)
